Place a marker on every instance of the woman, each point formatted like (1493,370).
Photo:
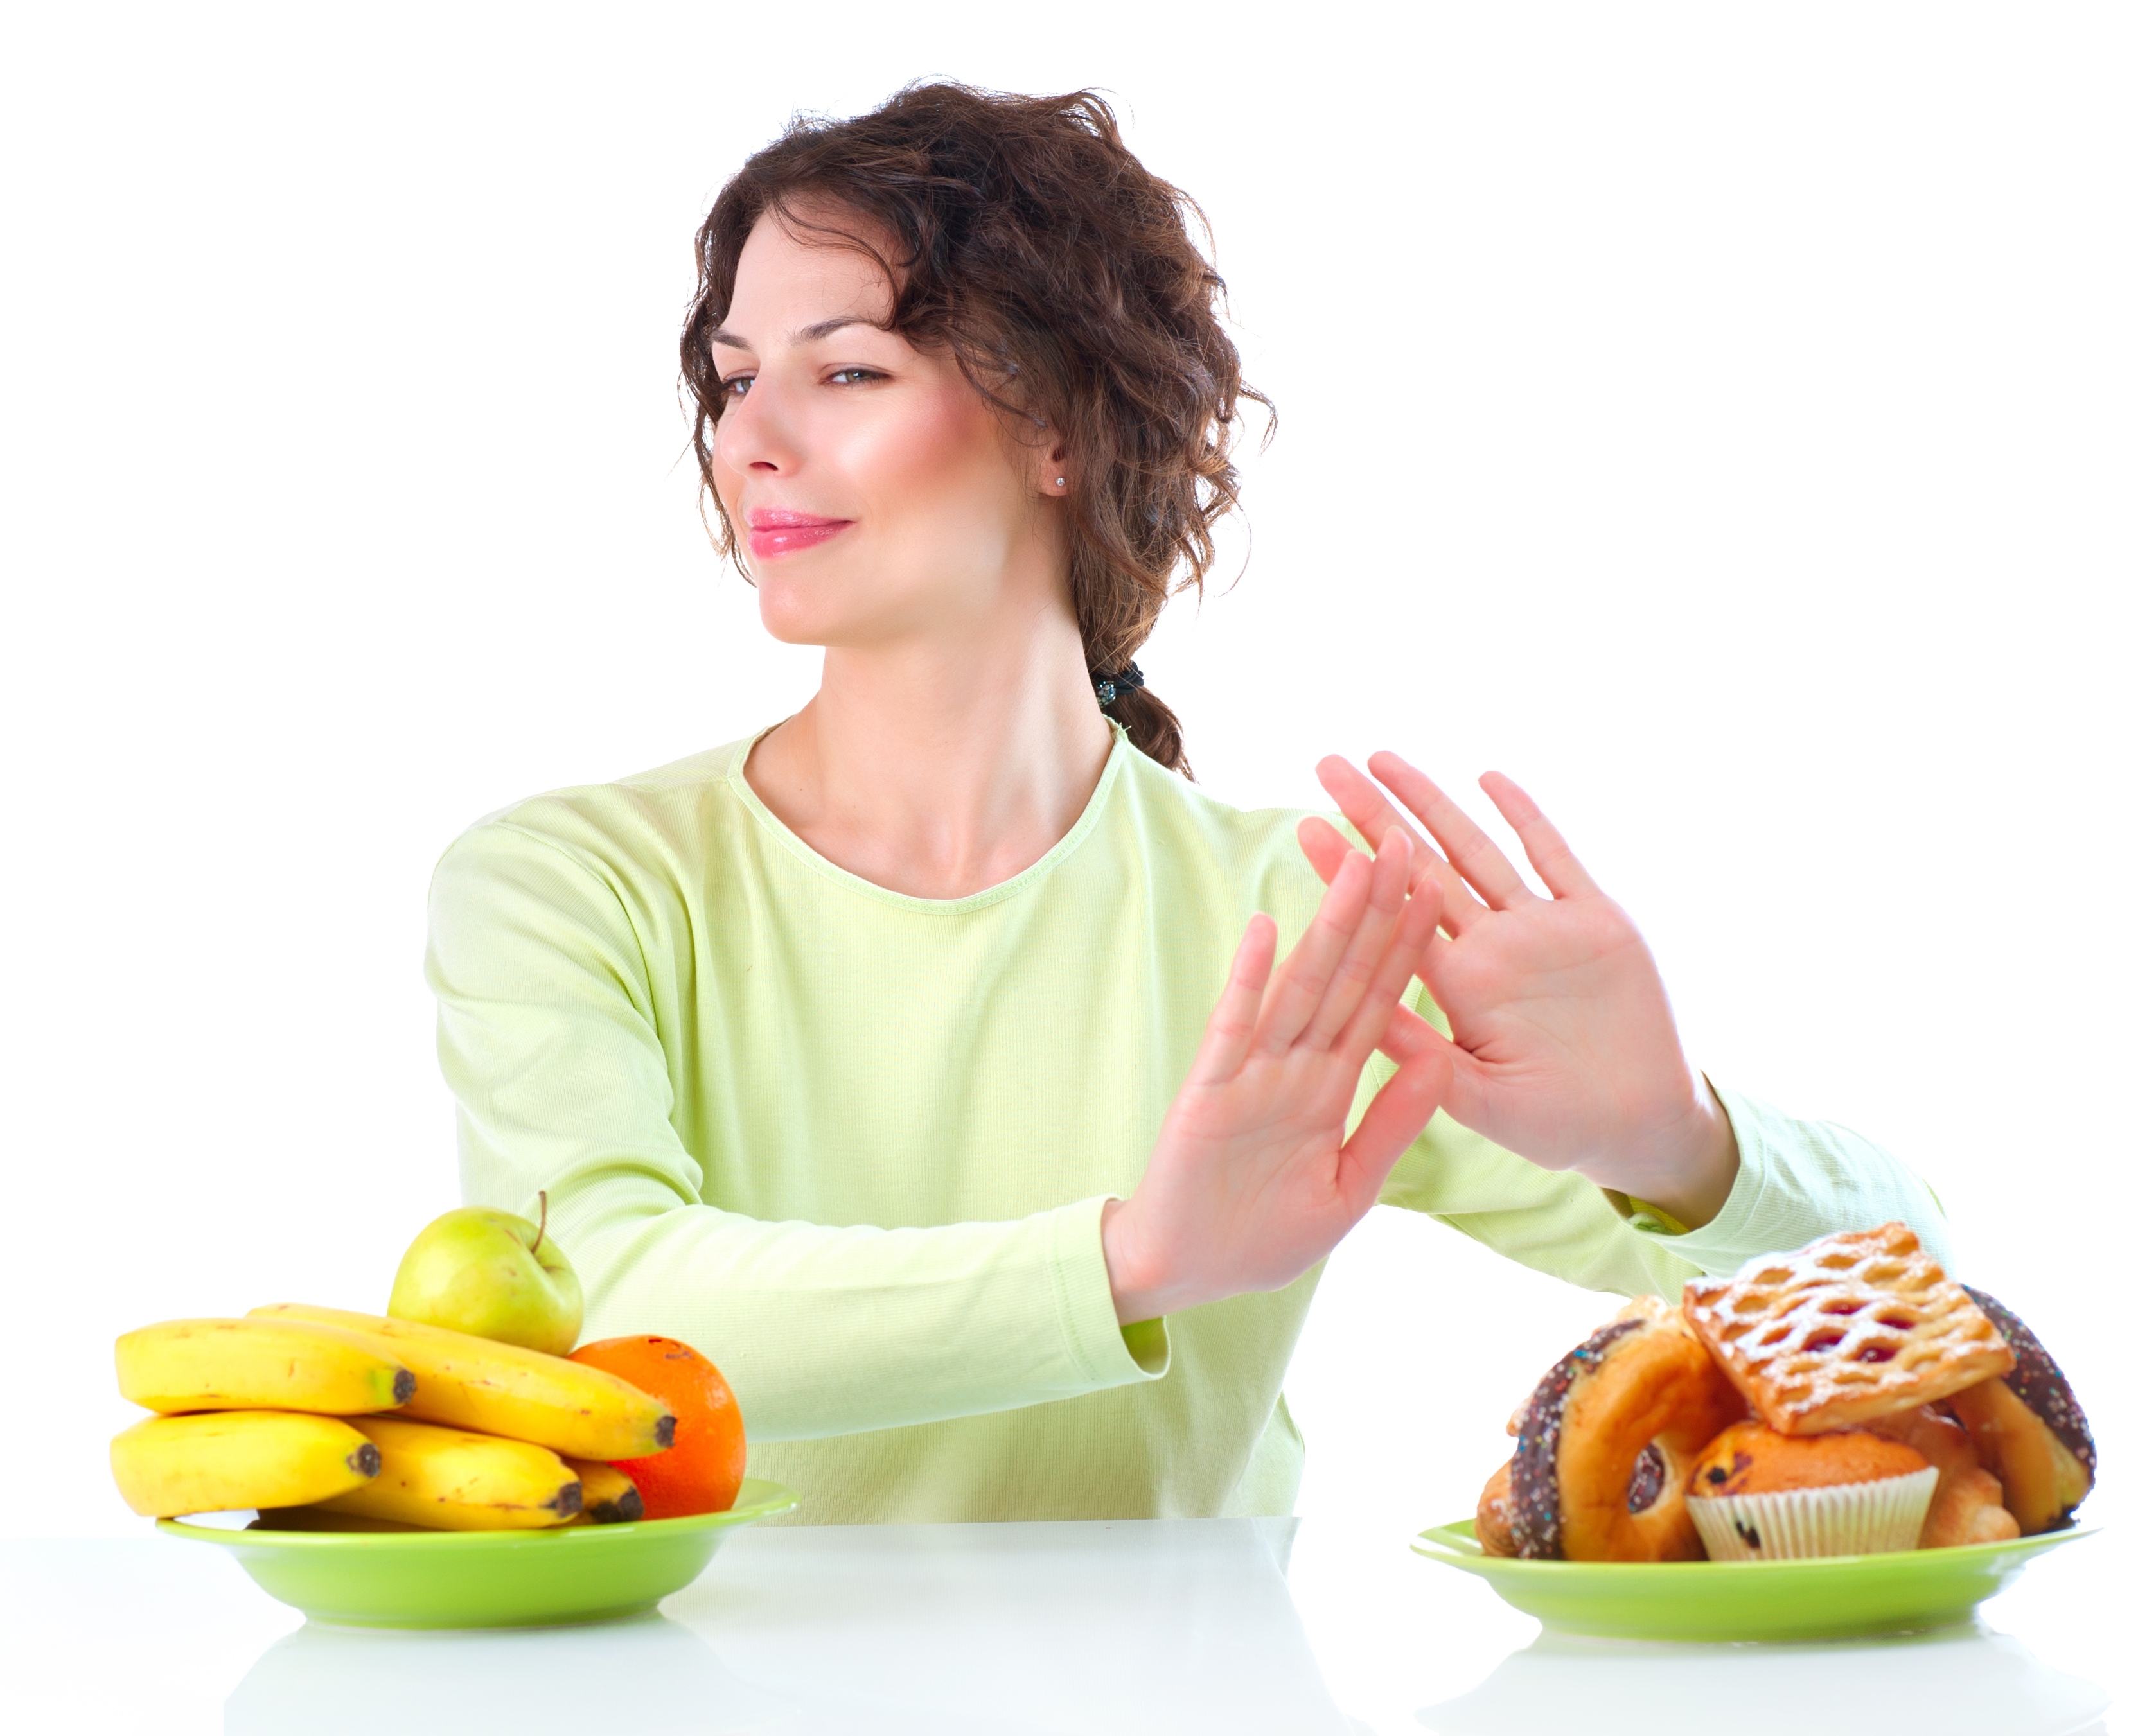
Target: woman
(924,1059)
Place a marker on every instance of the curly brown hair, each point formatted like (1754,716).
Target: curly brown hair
(1029,243)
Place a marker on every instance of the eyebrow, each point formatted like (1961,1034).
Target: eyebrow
(808,334)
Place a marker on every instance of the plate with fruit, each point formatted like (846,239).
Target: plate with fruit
(454,1462)
(1835,1442)
(387,1575)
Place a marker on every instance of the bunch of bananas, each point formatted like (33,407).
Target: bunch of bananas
(325,1420)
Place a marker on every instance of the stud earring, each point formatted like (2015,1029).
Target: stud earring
(1062,482)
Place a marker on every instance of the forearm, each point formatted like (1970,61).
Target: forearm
(1796,1180)
(831,1330)
(1800,1180)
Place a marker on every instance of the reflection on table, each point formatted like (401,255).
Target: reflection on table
(998,1629)
(1236,1626)
(650,1674)
(1959,1679)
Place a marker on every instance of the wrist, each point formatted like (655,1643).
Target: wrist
(1140,1292)
(1687,1169)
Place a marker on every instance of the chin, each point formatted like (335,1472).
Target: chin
(800,620)
(795,610)
(823,610)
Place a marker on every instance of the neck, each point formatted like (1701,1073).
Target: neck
(943,766)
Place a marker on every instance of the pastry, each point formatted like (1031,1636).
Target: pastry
(1890,1408)
(1605,1441)
(1758,1494)
(1750,1458)
(1495,1526)
(1968,1504)
(1850,1327)
(2029,1429)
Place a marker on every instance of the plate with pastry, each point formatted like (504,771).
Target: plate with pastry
(1841,1441)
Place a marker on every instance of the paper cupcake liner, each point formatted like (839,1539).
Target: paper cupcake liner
(1796,1524)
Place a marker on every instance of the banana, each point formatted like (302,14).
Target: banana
(608,1496)
(260,1365)
(503,1389)
(166,1465)
(449,1479)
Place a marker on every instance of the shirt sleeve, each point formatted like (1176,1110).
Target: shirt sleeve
(1796,1180)
(548,1040)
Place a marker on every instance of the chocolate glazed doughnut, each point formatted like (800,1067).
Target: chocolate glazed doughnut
(1495,1527)
(2029,1429)
(1608,1438)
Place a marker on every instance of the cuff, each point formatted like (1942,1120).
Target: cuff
(1642,1216)
(1109,1353)
(1724,1237)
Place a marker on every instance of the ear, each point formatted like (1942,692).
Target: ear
(1051,473)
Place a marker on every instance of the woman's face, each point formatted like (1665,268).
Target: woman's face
(875,493)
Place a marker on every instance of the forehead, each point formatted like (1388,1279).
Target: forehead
(790,277)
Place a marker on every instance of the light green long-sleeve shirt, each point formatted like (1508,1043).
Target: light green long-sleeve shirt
(853,1145)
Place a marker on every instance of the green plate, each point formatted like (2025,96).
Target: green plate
(486,1578)
(1840,1595)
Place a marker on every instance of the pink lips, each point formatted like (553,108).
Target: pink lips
(774,531)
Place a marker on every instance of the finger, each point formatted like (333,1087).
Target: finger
(1475,855)
(1408,1035)
(1387,900)
(1392,978)
(1304,977)
(1326,850)
(1232,1025)
(1557,865)
(1324,847)
(1372,814)
(1396,1116)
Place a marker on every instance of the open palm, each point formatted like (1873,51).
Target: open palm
(1253,1179)
(1563,1048)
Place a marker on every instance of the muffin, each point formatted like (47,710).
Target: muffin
(1757,1495)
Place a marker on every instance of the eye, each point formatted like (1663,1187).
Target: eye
(737,386)
(853,376)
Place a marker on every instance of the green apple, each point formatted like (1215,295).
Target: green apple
(493,1275)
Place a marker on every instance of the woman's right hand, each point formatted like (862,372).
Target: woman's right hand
(1253,1180)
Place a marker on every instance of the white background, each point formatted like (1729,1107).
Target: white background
(1719,417)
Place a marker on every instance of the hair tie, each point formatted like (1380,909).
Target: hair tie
(1110,688)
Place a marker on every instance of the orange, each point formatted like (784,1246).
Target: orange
(701,1472)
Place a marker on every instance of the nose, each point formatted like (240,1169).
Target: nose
(756,435)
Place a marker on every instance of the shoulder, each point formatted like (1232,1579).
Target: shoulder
(1254,851)
(654,823)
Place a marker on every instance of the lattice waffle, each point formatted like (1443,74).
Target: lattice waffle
(1847,1328)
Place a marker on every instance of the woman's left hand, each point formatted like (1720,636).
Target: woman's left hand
(1564,1049)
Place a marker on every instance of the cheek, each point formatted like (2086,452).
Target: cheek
(936,471)
(727,483)
(943,508)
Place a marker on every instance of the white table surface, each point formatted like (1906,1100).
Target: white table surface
(1173,1627)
